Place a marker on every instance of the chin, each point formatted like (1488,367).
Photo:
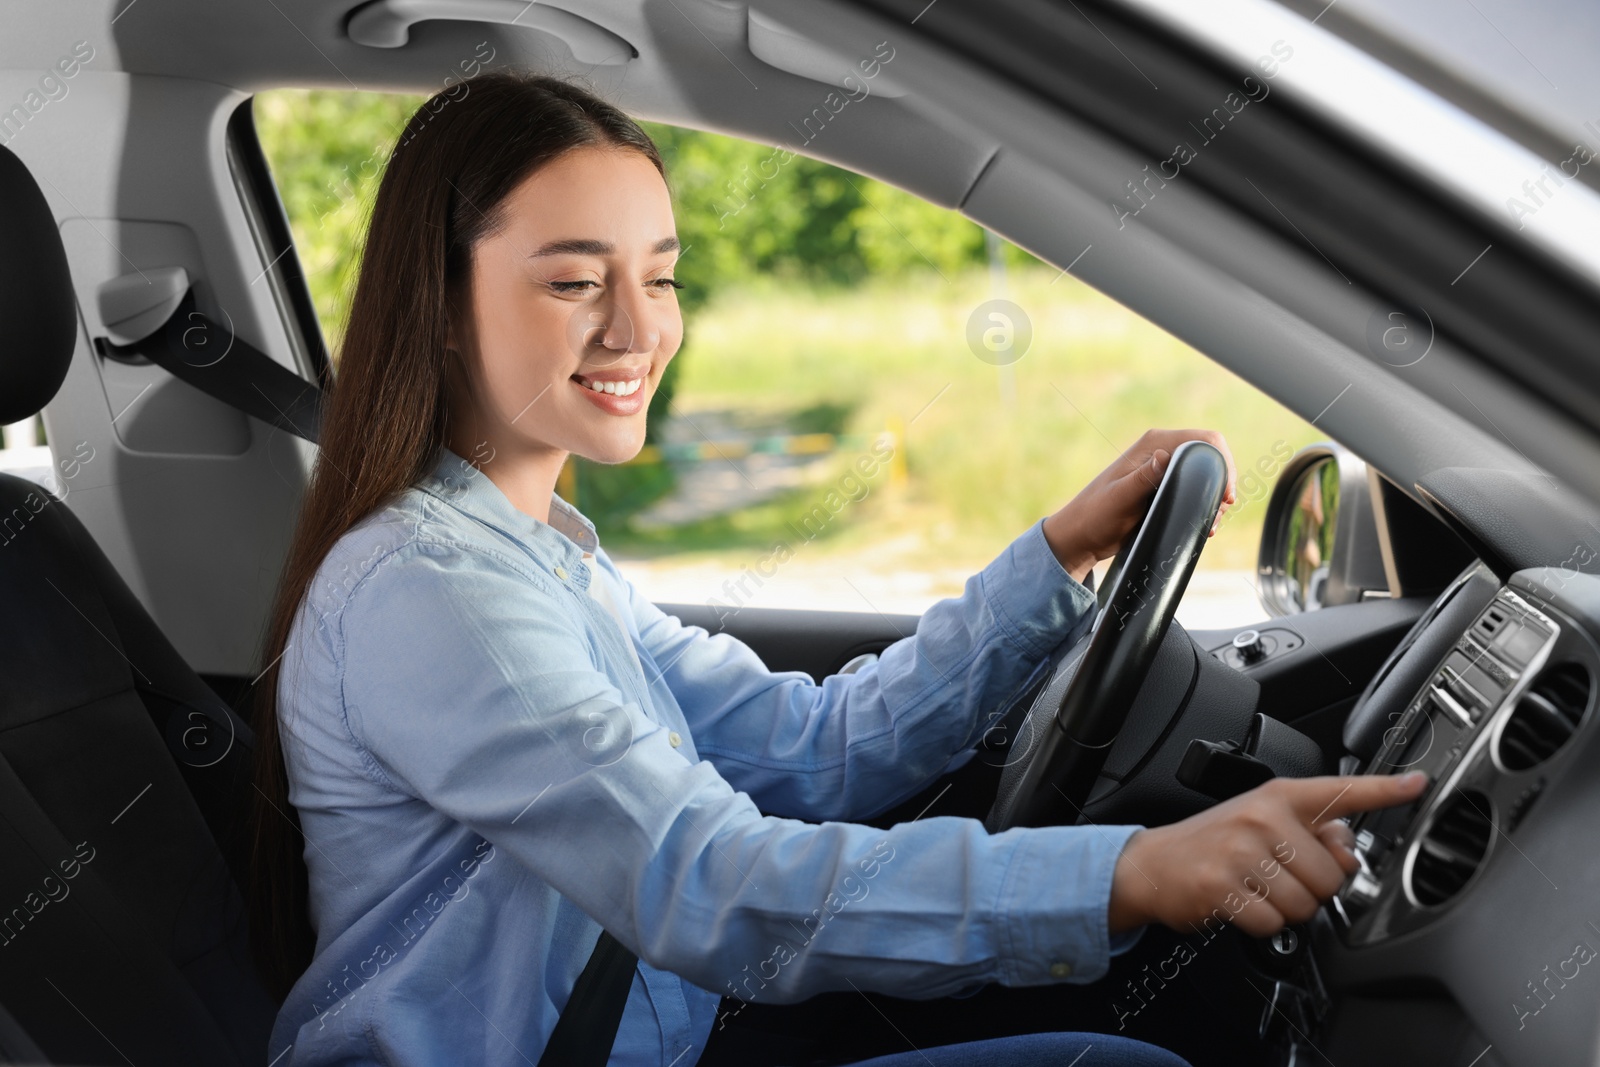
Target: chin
(613,452)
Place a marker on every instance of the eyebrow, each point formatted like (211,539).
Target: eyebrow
(581,246)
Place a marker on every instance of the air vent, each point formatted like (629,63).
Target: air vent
(1491,622)
(1449,853)
(1546,717)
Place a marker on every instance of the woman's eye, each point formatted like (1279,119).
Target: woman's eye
(582,286)
(667,283)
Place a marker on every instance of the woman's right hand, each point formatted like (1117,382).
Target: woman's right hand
(1262,859)
(1092,525)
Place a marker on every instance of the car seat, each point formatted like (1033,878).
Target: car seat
(124,779)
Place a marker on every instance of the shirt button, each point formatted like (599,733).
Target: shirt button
(561,572)
(1061,970)
(674,739)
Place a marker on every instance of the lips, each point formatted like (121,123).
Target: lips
(627,388)
(616,391)
(615,374)
(617,381)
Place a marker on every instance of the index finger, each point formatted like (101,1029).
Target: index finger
(1320,800)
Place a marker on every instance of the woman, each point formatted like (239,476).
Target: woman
(496,746)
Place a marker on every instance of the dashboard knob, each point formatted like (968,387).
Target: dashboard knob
(1363,889)
(1249,645)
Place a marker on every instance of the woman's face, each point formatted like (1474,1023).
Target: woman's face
(574,291)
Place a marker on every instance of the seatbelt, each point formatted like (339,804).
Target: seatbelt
(223,365)
(588,1025)
(220,364)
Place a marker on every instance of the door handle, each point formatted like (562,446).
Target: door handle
(387,24)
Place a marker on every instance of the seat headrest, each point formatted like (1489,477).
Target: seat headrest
(36,299)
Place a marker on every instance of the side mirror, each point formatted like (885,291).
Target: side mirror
(1319,543)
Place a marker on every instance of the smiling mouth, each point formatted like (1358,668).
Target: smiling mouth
(626,388)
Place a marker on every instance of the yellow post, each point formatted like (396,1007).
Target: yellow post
(898,474)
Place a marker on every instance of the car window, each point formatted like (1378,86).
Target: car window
(874,394)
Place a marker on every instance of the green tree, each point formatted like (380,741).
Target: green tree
(327,150)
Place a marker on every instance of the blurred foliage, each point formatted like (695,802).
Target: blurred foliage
(327,151)
(743,209)
(746,210)
(611,495)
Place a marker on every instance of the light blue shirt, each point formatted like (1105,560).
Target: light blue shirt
(486,776)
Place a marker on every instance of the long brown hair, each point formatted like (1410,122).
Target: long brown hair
(442,191)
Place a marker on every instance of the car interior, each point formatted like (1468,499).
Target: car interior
(1334,188)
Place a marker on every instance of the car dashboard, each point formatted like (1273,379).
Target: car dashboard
(1483,888)
(1511,693)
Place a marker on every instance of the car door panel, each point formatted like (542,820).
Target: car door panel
(817,642)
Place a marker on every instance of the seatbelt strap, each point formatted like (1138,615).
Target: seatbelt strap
(223,365)
(588,1025)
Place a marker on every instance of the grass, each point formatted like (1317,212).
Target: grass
(985,457)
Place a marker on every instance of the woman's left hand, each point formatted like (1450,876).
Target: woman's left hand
(1093,524)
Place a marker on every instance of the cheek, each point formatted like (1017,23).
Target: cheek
(671,334)
(522,349)
(511,381)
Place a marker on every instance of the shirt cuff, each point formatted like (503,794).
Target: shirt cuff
(1125,940)
(1031,594)
(1055,903)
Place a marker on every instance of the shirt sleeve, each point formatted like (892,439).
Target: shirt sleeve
(857,744)
(465,687)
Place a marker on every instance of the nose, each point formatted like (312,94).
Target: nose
(627,326)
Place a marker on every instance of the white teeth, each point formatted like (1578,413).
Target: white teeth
(617,388)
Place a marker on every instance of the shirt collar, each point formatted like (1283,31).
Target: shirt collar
(563,540)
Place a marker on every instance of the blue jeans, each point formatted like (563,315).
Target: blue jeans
(1036,1050)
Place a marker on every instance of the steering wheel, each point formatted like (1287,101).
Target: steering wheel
(1050,784)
